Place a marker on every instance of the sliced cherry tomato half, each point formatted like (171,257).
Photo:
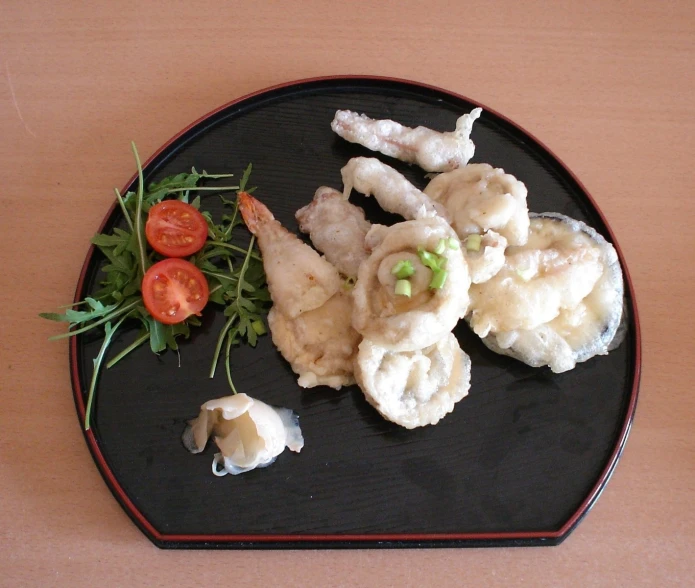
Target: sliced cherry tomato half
(175,229)
(173,290)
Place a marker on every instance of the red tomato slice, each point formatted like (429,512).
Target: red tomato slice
(175,229)
(173,290)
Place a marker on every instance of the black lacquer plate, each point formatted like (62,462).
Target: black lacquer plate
(520,460)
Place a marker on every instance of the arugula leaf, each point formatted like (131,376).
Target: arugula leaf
(158,341)
(97,361)
(143,336)
(247,303)
(245,178)
(237,283)
(217,295)
(139,229)
(119,241)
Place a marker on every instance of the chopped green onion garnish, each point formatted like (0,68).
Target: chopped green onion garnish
(438,279)
(403,288)
(441,247)
(428,259)
(398,266)
(473,242)
(349,283)
(406,271)
(403,269)
(259,327)
(453,243)
(525,274)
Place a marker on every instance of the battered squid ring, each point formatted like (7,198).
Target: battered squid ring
(414,388)
(399,323)
(480,198)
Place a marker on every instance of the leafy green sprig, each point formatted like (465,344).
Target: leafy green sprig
(235,276)
(241,288)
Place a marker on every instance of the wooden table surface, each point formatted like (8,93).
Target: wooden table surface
(608,85)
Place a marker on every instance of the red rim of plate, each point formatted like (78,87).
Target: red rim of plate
(361,539)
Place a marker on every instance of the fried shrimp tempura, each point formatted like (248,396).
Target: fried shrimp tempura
(299,279)
(310,318)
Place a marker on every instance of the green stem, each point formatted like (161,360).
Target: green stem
(227,367)
(209,255)
(134,345)
(124,209)
(220,340)
(74,304)
(138,211)
(215,176)
(244,267)
(245,177)
(216,275)
(228,230)
(97,367)
(118,312)
(235,248)
(207,188)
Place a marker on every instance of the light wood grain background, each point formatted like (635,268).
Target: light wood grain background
(609,85)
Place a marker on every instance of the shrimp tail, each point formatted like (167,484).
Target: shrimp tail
(464,125)
(253,211)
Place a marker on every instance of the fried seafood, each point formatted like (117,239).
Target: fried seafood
(484,255)
(431,150)
(480,198)
(337,229)
(299,279)
(558,300)
(430,310)
(414,388)
(391,190)
(310,318)
(320,344)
